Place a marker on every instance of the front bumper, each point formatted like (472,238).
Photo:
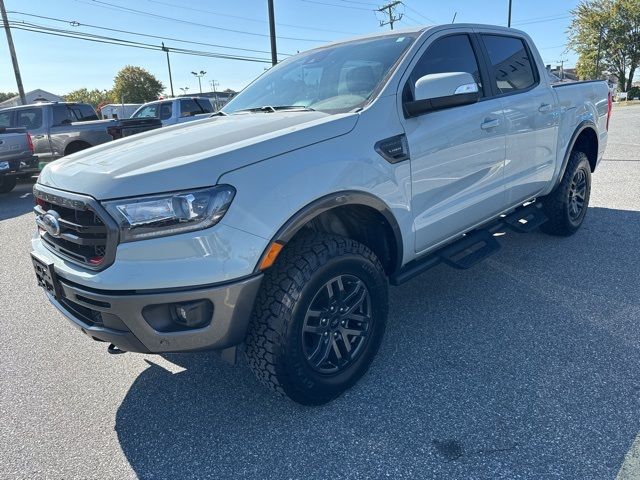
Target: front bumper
(121,318)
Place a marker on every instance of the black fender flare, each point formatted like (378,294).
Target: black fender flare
(331,201)
(582,126)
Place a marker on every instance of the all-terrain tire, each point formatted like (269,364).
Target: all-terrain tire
(275,343)
(560,205)
(7,183)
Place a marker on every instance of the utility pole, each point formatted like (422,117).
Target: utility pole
(509,20)
(12,51)
(562,60)
(389,9)
(199,76)
(165,49)
(214,84)
(272,34)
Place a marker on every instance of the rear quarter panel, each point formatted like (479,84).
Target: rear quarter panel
(580,102)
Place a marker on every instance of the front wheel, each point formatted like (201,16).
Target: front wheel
(319,318)
(7,183)
(567,205)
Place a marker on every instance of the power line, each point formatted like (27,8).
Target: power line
(337,5)
(75,23)
(280,24)
(418,13)
(103,4)
(542,20)
(127,43)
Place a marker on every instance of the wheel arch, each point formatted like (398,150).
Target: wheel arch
(585,139)
(70,147)
(351,213)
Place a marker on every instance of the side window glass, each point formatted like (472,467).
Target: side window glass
(205,105)
(29,118)
(188,108)
(166,111)
(448,54)
(512,67)
(61,115)
(87,113)
(5,119)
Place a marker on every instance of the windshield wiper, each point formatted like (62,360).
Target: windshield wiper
(271,108)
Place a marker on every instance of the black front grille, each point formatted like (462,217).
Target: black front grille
(86,234)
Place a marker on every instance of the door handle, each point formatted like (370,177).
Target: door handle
(545,107)
(38,137)
(490,123)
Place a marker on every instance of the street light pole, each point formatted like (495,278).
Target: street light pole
(166,49)
(509,21)
(199,76)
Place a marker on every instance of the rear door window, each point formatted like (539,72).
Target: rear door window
(29,118)
(512,67)
(62,115)
(204,104)
(166,110)
(188,107)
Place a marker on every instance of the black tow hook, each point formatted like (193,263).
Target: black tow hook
(113,350)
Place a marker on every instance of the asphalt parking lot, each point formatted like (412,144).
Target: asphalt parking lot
(527,366)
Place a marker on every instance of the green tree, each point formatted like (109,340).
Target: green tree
(7,95)
(606,36)
(135,85)
(95,97)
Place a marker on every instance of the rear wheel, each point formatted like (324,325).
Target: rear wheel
(567,205)
(7,183)
(319,318)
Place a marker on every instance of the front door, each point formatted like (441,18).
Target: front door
(457,154)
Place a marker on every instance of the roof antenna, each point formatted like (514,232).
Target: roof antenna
(454,17)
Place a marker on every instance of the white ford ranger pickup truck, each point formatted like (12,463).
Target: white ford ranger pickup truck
(277,224)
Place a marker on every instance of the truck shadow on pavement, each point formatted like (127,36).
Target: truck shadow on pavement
(527,366)
(17,202)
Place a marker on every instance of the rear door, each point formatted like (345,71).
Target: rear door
(457,154)
(531,113)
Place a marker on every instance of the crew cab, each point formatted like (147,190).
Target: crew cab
(176,110)
(279,222)
(60,128)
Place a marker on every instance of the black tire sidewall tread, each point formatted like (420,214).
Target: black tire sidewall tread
(273,343)
(556,204)
(7,183)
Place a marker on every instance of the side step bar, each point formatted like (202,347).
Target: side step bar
(474,246)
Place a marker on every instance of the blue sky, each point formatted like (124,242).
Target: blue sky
(60,65)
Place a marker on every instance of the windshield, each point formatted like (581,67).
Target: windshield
(147,111)
(334,79)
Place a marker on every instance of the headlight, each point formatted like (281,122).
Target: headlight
(171,213)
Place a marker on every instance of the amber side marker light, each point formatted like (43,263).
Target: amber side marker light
(272,254)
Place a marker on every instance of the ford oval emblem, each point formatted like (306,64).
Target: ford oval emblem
(49,221)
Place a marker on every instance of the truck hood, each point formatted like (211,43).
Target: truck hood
(190,155)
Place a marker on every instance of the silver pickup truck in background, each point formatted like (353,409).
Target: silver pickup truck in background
(16,156)
(59,129)
(176,110)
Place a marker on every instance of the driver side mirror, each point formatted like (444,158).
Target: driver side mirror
(438,91)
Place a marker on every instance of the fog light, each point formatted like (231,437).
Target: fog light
(193,314)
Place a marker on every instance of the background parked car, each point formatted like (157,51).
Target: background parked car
(16,156)
(59,129)
(176,110)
